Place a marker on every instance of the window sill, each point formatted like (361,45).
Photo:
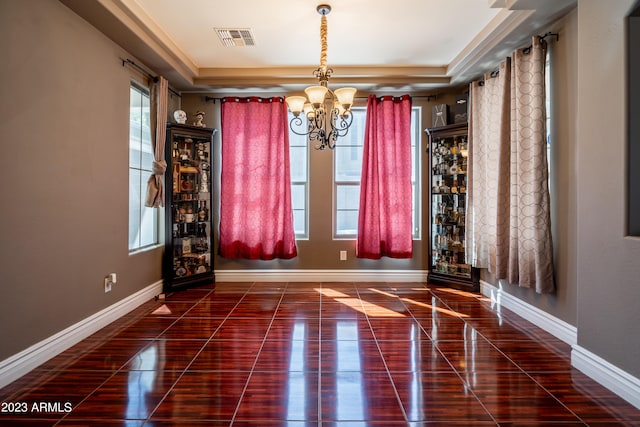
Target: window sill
(145,249)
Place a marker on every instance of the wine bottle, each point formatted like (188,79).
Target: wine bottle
(203,212)
(176,179)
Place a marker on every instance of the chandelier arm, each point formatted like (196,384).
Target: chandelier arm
(342,123)
(297,121)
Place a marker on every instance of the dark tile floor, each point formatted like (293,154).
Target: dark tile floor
(315,354)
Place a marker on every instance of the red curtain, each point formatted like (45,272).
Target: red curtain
(256,219)
(384,218)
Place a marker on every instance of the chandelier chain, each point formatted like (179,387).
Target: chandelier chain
(327,113)
(323,43)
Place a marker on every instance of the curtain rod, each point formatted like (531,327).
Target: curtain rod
(214,99)
(526,51)
(146,73)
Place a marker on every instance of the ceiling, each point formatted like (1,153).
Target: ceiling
(400,45)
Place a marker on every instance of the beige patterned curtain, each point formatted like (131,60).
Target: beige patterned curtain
(158,99)
(508,220)
(488,196)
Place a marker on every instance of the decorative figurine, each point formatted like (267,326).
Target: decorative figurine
(204,175)
(199,117)
(180,116)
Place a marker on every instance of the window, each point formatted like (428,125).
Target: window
(547,94)
(347,170)
(299,165)
(633,135)
(143,221)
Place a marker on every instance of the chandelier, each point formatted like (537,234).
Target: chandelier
(328,112)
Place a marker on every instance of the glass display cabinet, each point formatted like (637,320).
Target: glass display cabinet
(187,259)
(448,148)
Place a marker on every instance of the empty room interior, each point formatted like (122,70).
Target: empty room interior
(320,214)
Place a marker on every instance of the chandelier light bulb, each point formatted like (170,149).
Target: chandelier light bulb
(296,104)
(345,96)
(316,95)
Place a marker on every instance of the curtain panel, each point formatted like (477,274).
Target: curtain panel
(256,218)
(158,100)
(508,219)
(385,213)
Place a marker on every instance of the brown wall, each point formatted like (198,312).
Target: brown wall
(65,143)
(320,251)
(608,259)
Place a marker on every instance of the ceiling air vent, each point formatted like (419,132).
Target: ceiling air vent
(231,37)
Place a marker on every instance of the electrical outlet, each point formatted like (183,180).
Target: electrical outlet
(109,280)
(343,255)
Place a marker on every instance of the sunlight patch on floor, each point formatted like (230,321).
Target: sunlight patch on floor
(360,305)
(438,309)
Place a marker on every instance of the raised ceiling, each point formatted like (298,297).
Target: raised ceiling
(399,45)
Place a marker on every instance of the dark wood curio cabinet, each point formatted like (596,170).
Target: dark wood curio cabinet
(447,151)
(188,259)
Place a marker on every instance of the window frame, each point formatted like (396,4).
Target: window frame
(144,171)
(304,183)
(416,184)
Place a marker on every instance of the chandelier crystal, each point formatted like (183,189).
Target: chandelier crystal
(328,112)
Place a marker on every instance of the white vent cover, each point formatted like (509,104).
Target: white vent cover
(231,37)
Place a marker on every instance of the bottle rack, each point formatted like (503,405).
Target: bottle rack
(448,150)
(188,259)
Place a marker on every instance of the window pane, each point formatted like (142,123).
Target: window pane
(134,208)
(347,223)
(415,121)
(298,196)
(348,163)
(348,197)
(148,225)
(135,127)
(298,160)
(299,222)
(414,211)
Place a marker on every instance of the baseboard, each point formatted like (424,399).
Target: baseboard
(556,327)
(610,376)
(613,378)
(21,363)
(321,275)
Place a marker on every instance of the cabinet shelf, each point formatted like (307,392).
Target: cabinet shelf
(188,259)
(449,168)
(449,194)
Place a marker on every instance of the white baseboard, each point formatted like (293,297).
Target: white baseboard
(321,275)
(610,376)
(21,363)
(556,327)
(613,378)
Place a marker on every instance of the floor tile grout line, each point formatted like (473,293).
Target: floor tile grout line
(464,383)
(384,361)
(527,373)
(491,342)
(120,369)
(184,371)
(251,371)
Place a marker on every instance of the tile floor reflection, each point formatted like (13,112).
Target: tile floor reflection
(317,355)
